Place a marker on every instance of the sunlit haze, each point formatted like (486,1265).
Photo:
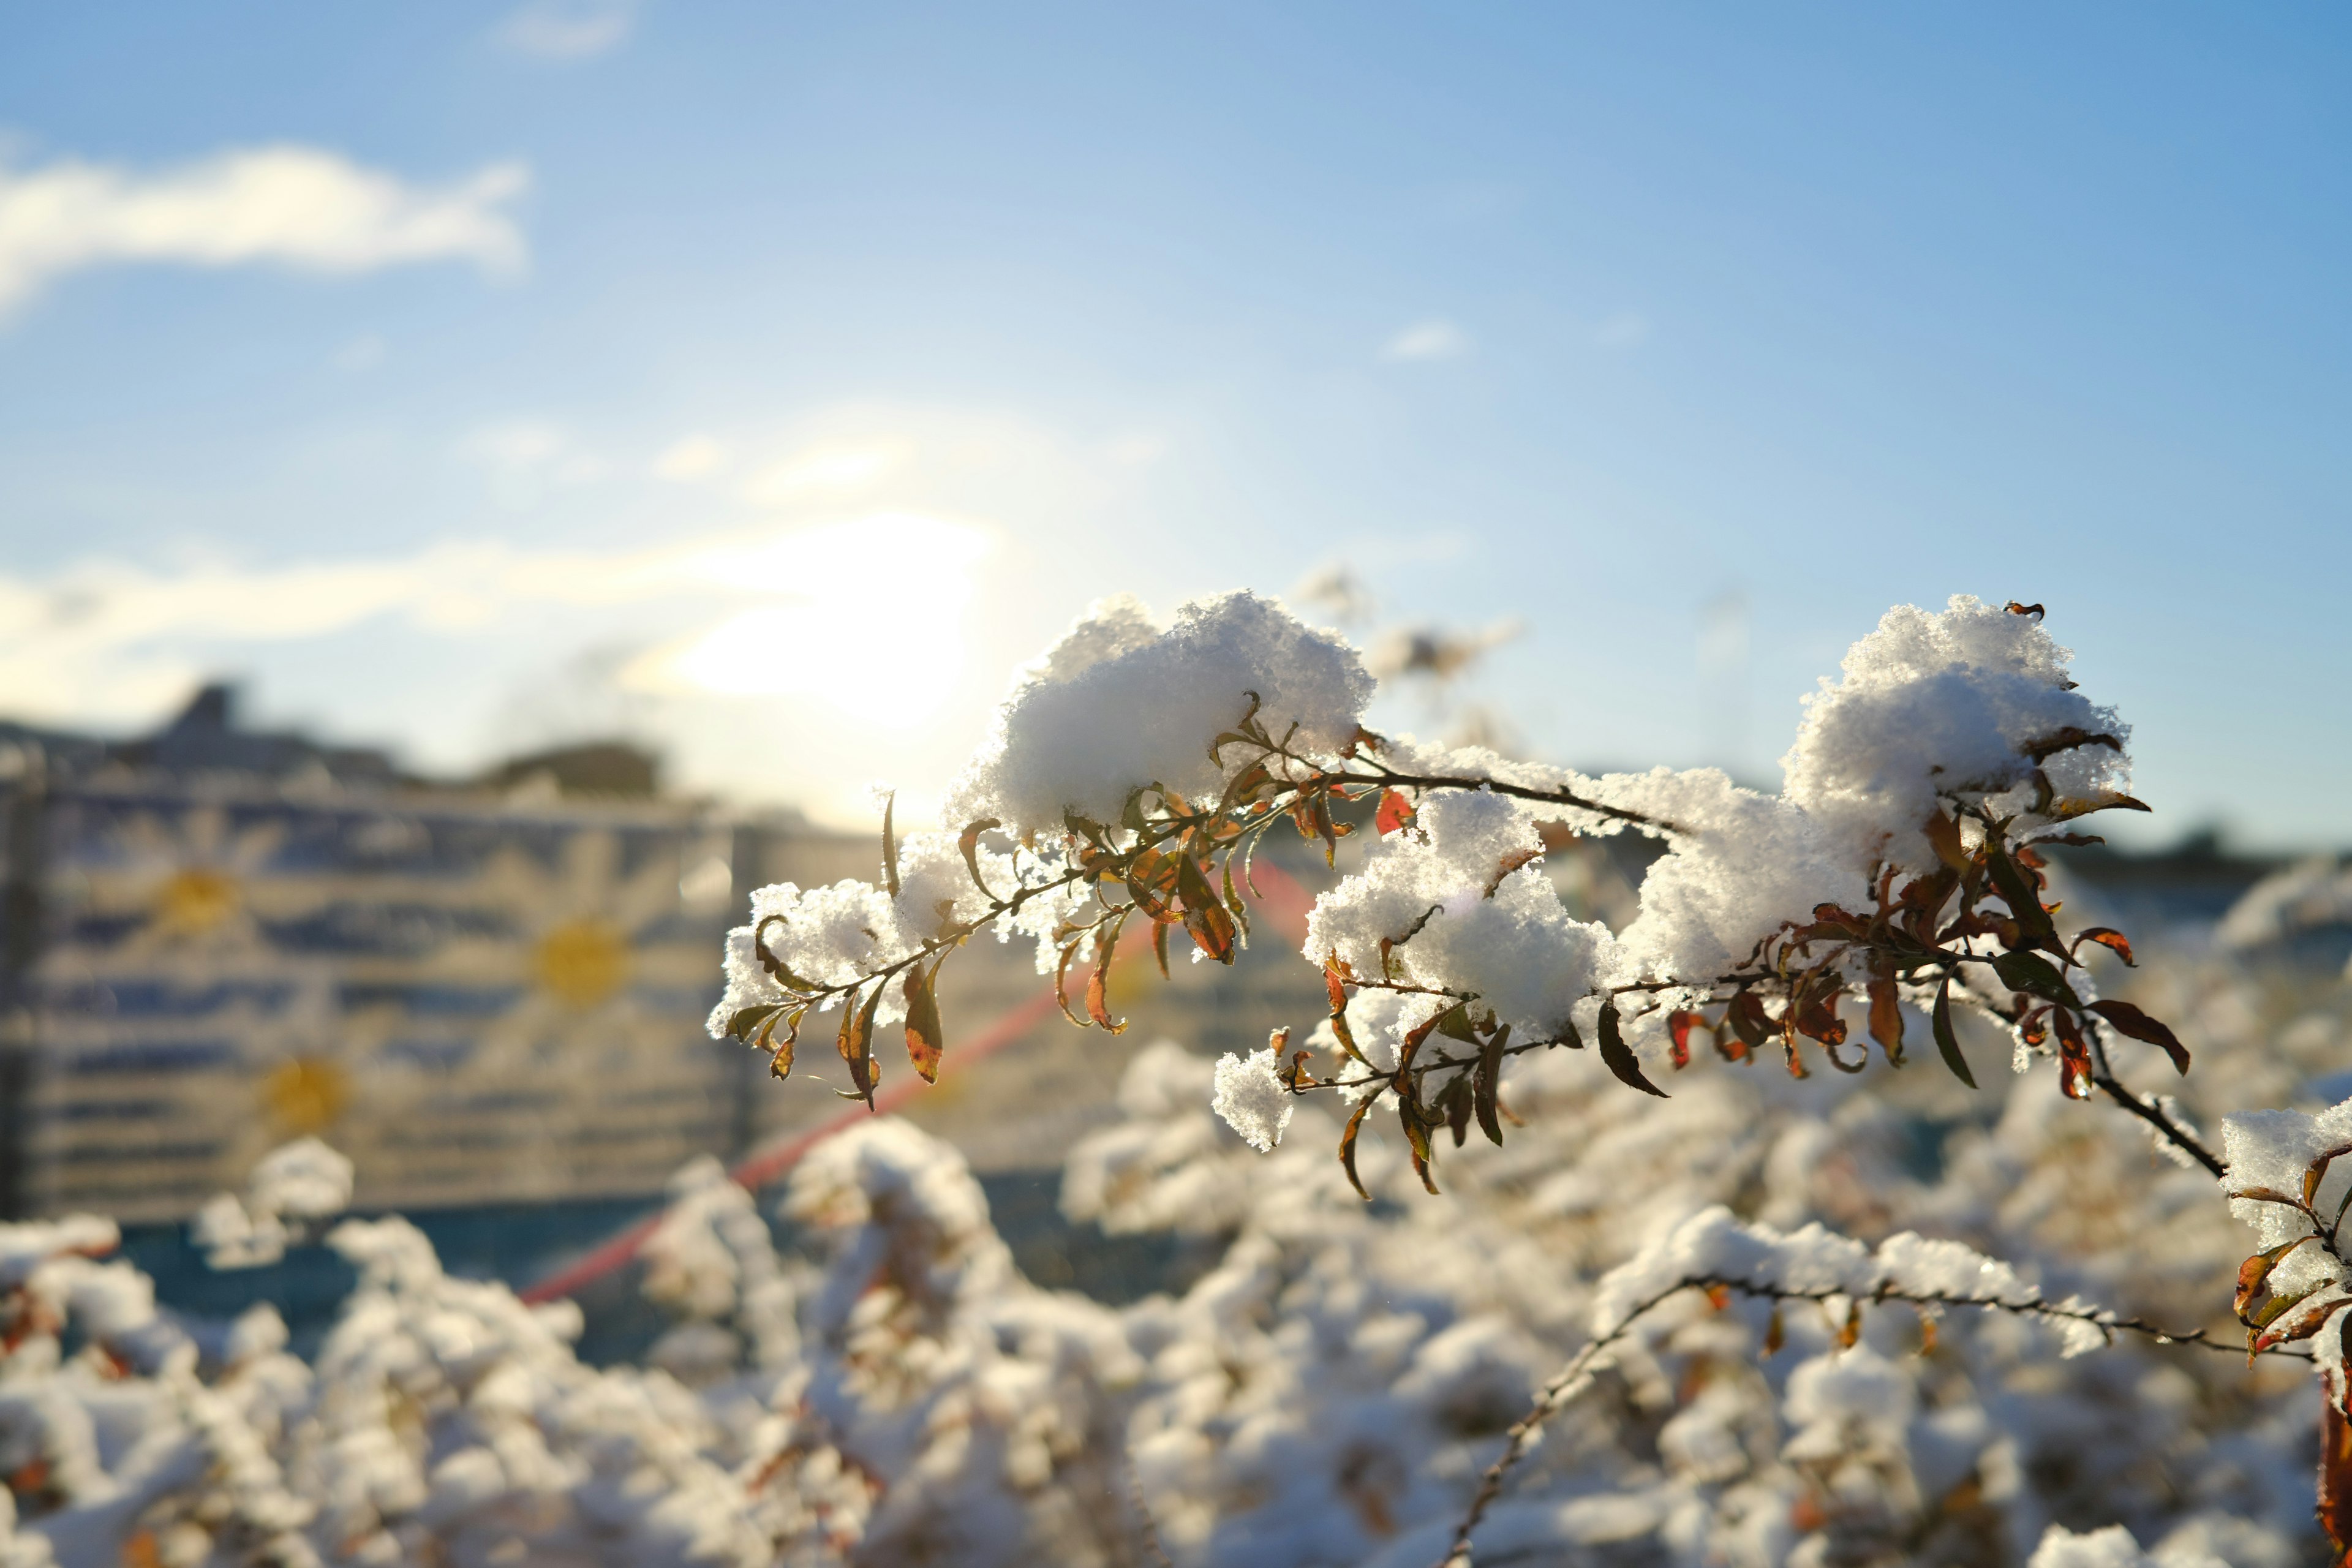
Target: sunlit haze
(768,383)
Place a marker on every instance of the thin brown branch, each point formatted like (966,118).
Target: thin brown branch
(1569,1381)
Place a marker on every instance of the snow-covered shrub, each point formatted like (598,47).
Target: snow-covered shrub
(1132,770)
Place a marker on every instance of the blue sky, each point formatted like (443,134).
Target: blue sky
(771,378)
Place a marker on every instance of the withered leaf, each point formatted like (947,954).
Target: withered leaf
(2033,973)
(1159,945)
(2074,1056)
(1944,837)
(2129,1020)
(2114,941)
(2014,608)
(926,1040)
(857,1042)
(1099,989)
(1620,1058)
(889,844)
(1946,1041)
(1485,1080)
(2255,1271)
(1348,1147)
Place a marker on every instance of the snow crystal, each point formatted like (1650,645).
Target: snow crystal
(1110,710)
(1250,1096)
(1514,946)
(1931,702)
(2113,1547)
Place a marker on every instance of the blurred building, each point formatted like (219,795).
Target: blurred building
(216,939)
(494,991)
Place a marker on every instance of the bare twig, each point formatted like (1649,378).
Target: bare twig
(1572,1379)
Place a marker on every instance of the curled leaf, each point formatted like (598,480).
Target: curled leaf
(890,844)
(968,842)
(1947,1042)
(1484,1081)
(1617,1056)
(2129,1020)
(926,1040)
(2114,941)
(1347,1146)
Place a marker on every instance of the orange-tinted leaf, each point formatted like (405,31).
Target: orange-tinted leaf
(1062,984)
(1679,1025)
(1211,930)
(1395,813)
(2114,941)
(926,1040)
(2066,808)
(2014,608)
(2254,1273)
(1775,1334)
(1416,1138)
(1509,864)
(1099,989)
(1151,882)
(1852,1331)
(2129,1020)
(856,1043)
(1886,1013)
(1818,1020)
(2074,1056)
(1159,945)
(1944,837)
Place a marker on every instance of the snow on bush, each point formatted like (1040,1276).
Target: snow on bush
(1770,1320)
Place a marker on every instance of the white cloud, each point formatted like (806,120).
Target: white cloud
(113,642)
(294,206)
(569,29)
(837,468)
(1432,340)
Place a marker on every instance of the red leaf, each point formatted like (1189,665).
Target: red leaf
(1679,1025)
(2114,941)
(2074,1056)
(1395,813)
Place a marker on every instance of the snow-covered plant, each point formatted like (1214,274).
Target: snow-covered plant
(1132,767)
(1133,770)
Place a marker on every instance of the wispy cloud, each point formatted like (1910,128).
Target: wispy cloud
(748,612)
(569,29)
(289,206)
(1431,339)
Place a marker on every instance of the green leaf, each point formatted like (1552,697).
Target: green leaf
(1946,1041)
(1619,1056)
(2033,975)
